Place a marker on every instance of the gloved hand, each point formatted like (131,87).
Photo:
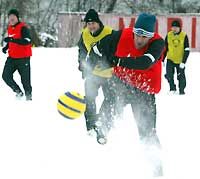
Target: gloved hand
(115,61)
(182,65)
(8,39)
(4,50)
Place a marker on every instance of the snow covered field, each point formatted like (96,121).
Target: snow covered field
(38,143)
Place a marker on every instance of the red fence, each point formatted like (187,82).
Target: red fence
(70,26)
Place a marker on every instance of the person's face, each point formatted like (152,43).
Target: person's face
(175,29)
(12,19)
(93,26)
(140,41)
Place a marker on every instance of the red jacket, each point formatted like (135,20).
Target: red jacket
(148,80)
(16,50)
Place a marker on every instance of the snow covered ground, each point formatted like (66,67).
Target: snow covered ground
(36,142)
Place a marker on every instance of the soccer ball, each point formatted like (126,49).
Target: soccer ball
(71,105)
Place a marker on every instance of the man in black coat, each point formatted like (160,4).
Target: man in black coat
(94,70)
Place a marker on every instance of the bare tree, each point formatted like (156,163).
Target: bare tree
(111,6)
(3,25)
(38,14)
(47,11)
(84,4)
(173,6)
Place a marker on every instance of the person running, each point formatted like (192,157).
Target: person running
(19,53)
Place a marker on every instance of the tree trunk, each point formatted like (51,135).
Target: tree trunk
(48,9)
(78,6)
(111,6)
(173,6)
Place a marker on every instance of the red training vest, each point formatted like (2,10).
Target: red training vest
(16,50)
(148,80)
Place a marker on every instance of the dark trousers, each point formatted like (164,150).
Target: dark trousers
(170,70)
(143,105)
(144,109)
(92,85)
(23,67)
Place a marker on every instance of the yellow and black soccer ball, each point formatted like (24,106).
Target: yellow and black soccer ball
(71,105)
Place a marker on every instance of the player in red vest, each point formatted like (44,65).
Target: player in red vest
(19,53)
(136,55)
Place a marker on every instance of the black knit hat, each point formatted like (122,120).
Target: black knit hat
(14,12)
(92,16)
(176,23)
(145,25)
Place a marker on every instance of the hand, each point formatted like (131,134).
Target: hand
(181,65)
(4,50)
(8,39)
(115,61)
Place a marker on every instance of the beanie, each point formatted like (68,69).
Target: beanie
(92,16)
(145,25)
(14,12)
(176,23)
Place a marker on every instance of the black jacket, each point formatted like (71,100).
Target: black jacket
(90,59)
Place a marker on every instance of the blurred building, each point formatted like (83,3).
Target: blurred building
(71,24)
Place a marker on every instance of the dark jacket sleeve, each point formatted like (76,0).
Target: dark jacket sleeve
(186,49)
(105,49)
(151,56)
(99,53)
(108,45)
(26,38)
(82,53)
(6,47)
(166,48)
(114,41)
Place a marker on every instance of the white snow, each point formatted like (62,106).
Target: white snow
(36,142)
(45,36)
